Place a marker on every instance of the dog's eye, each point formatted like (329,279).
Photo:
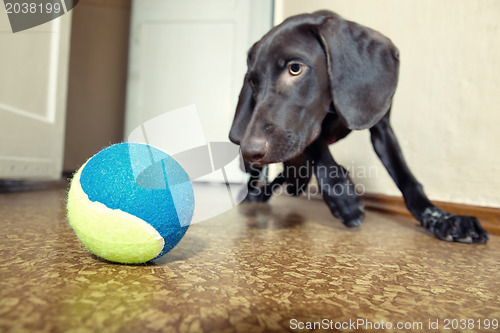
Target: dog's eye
(252,83)
(295,69)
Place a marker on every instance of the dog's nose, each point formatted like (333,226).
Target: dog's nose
(254,149)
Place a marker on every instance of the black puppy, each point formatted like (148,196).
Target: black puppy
(310,81)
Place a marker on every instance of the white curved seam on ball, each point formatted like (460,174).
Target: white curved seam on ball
(100,207)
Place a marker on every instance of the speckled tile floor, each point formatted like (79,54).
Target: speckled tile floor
(287,266)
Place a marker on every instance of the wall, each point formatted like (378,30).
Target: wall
(445,111)
(97,78)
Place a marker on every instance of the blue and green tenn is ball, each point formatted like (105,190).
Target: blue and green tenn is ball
(130,203)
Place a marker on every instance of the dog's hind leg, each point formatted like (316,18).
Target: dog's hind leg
(443,225)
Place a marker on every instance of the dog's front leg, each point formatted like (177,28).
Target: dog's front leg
(443,225)
(336,186)
(259,189)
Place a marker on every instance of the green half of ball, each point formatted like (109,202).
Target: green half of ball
(111,233)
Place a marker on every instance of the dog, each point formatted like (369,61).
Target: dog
(311,81)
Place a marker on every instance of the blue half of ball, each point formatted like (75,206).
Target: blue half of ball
(145,182)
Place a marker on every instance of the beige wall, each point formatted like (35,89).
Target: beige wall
(97,78)
(446,109)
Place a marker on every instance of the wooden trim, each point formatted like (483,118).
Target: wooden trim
(489,216)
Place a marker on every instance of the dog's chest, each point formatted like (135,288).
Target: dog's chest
(332,129)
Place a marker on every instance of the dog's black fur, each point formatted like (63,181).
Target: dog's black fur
(310,81)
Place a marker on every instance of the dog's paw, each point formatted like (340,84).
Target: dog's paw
(453,228)
(257,195)
(350,213)
(354,222)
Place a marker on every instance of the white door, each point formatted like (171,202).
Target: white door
(190,53)
(33,81)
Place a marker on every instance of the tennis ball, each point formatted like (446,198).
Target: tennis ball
(130,203)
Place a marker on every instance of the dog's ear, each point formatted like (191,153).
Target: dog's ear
(243,113)
(246,103)
(363,68)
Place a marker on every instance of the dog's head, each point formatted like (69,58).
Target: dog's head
(294,74)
